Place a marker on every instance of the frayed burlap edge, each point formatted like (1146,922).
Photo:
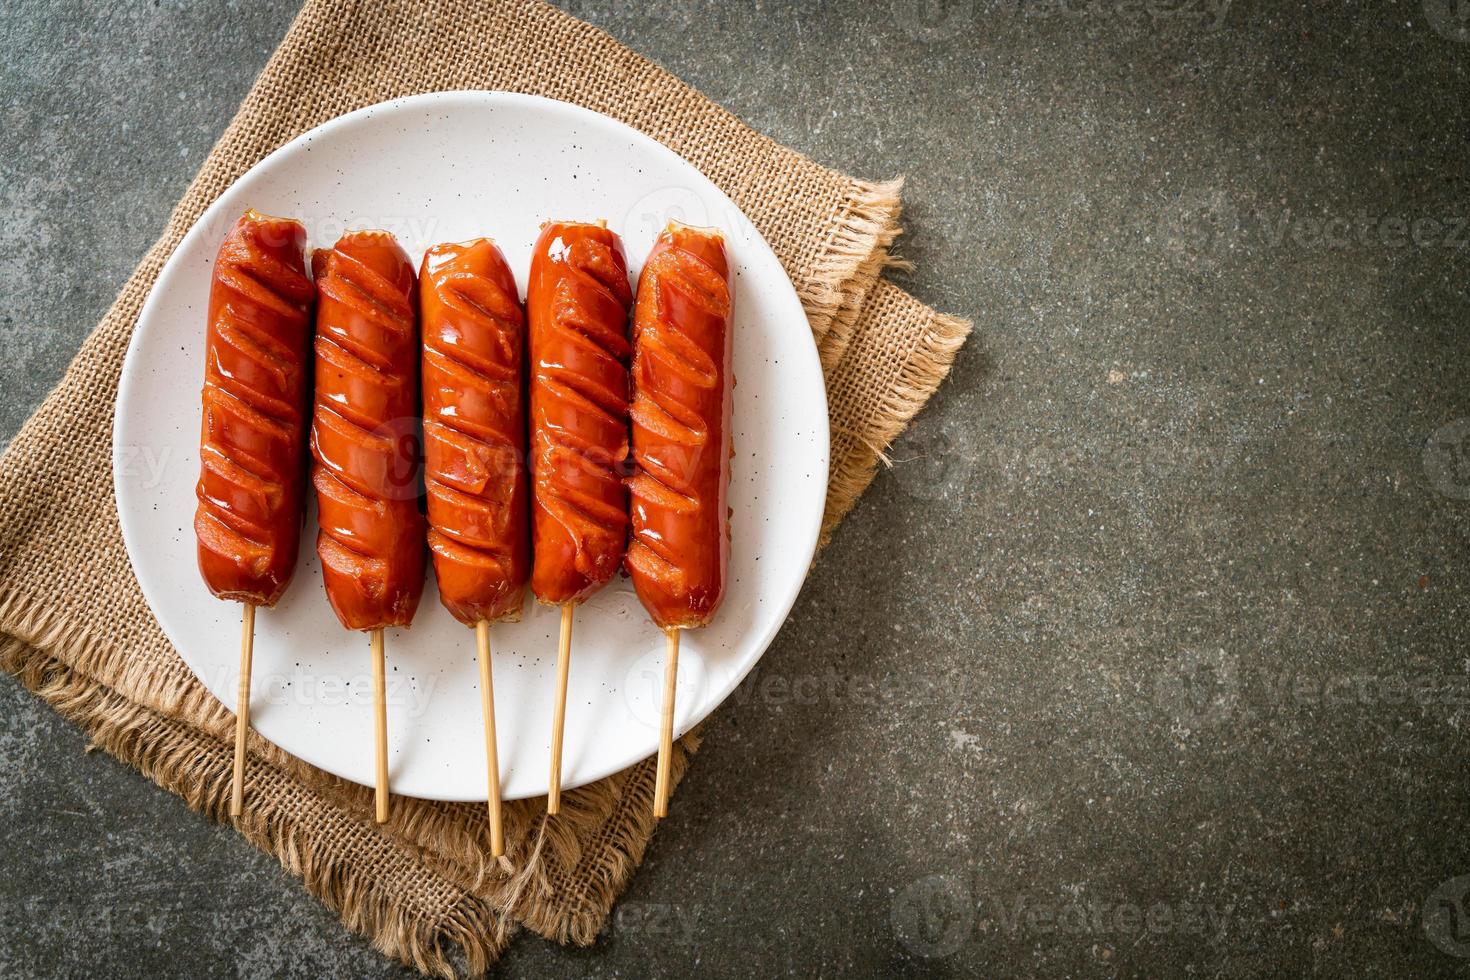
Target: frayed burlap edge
(924,370)
(864,227)
(625,825)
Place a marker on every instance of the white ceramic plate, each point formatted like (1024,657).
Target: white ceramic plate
(440,168)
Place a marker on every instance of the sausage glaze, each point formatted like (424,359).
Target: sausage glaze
(475,430)
(577,306)
(682,389)
(256,391)
(365,431)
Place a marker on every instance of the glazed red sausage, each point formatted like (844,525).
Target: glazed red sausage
(475,430)
(252,444)
(681,428)
(365,431)
(577,306)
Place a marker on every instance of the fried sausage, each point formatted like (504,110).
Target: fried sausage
(365,431)
(681,428)
(475,430)
(256,392)
(577,307)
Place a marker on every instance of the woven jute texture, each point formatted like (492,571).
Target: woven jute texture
(422,887)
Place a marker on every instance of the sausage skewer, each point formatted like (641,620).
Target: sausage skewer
(666,724)
(559,707)
(492,753)
(682,386)
(252,441)
(242,708)
(475,444)
(365,443)
(577,307)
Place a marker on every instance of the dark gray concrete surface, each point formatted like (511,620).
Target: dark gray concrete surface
(1166,590)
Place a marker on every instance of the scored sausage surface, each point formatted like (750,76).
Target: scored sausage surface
(365,431)
(256,390)
(474,430)
(682,388)
(577,307)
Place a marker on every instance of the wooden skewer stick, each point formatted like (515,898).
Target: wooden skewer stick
(242,708)
(380,711)
(666,731)
(492,759)
(559,714)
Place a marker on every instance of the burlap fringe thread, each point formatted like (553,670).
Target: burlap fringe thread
(855,253)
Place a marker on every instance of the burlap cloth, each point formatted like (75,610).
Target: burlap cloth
(423,884)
